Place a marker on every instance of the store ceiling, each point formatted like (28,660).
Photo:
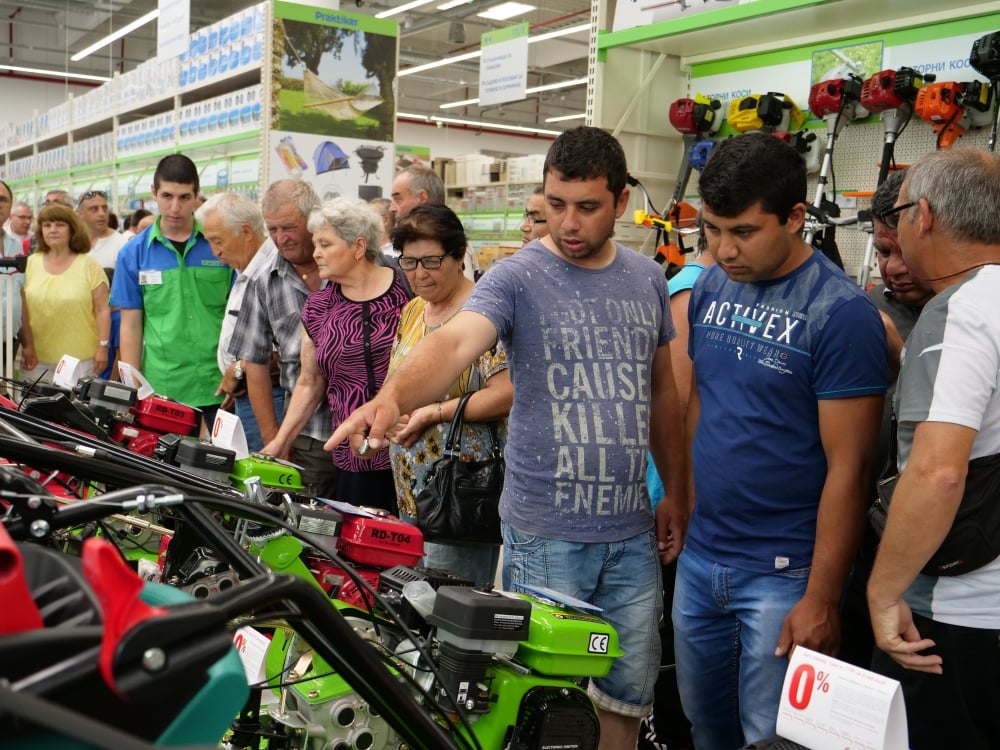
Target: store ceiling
(46,33)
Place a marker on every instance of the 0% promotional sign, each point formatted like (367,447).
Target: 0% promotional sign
(827,704)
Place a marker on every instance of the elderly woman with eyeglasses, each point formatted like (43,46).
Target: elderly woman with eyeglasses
(347,332)
(64,300)
(432,243)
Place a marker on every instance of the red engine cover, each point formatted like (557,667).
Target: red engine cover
(135,438)
(337,583)
(825,97)
(382,542)
(166,415)
(878,92)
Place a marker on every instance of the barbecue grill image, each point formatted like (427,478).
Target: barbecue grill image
(370,157)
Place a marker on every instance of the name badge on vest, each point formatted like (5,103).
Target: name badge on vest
(150,278)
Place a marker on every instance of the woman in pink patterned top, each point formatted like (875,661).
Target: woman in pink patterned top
(348,330)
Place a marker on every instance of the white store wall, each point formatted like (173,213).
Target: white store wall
(22,96)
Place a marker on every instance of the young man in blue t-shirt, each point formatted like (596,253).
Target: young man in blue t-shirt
(789,361)
(586,324)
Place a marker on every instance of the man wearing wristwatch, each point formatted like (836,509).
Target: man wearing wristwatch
(234,227)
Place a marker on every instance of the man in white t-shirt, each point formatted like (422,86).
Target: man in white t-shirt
(105,242)
(936,617)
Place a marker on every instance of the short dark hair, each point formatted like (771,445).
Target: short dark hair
(886,194)
(138,215)
(177,168)
(752,168)
(431,221)
(9,192)
(585,153)
(79,240)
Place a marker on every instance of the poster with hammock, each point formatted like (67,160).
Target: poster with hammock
(333,108)
(333,74)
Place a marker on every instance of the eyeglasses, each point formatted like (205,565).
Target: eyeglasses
(891,217)
(533,219)
(430,262)
(91,194)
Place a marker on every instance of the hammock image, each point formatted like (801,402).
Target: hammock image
(337,104)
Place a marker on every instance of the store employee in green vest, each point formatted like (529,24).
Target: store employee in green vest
(172,292)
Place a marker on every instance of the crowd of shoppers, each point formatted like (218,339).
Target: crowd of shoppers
(360,326)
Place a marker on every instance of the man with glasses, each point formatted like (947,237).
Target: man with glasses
(19,224)
(105,242)
(938,635)
(534,226)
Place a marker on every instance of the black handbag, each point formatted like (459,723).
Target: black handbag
(974,538)
(459,503)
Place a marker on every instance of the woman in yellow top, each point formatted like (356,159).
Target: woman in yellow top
(432,243)
(65,299)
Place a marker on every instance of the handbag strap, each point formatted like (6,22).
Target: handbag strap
(453,442)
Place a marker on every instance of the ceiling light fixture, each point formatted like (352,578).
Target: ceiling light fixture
(477,123)
(116,35)
(55,73)
(505,11)
(472,55)
(402,8)
(563,118)
(532,90)
(456,33)
(495,126)
(453,4)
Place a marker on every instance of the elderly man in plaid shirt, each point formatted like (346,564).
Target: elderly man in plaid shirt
(269,327)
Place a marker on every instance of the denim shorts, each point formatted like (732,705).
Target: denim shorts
(623,578)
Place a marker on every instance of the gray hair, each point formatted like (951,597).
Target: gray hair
(426,179)
(350,220)
(962,187)
(382,206)
(298,193)
(23,204)
(887,193)
(234,210)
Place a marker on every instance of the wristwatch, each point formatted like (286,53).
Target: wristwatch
(238,369)
(104,343)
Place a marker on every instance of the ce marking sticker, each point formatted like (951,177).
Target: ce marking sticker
(598,643)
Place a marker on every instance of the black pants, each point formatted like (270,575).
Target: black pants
(961,707)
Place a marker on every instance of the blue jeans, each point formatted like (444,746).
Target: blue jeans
(726,627)
(623,578)
(244,411)
(477,563)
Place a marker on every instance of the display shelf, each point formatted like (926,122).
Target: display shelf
(768,25)
(239,79)
(129,123)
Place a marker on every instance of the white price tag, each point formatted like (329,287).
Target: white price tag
(827,704)
(131,377)
(252,647)
(67,372)
(227,432)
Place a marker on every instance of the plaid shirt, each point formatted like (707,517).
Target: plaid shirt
(271,319)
